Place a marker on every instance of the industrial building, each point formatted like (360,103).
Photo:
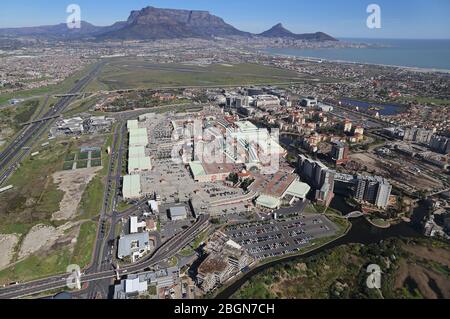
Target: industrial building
(131,187)
(178,213)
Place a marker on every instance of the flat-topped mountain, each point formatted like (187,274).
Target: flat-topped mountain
(152,23)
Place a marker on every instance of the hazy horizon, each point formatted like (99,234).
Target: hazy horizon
(400,19)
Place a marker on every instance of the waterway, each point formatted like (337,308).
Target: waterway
(362,232)
(383,109)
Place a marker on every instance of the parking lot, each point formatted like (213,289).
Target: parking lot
(279,237)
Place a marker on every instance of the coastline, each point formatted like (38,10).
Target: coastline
(320,60)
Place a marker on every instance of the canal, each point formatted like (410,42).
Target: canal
(362,232)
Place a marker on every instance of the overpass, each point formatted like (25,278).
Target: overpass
(44,119)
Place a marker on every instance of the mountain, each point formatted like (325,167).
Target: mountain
(58,31)
(278,31)
(152,23)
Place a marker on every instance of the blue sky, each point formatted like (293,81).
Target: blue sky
(341,18)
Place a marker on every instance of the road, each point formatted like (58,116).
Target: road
(16,151)
(164,252)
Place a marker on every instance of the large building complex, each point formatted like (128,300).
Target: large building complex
(319,177)
(373,190)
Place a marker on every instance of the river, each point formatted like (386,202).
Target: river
(362,232)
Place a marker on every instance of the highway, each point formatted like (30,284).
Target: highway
(15,152)
(167,250)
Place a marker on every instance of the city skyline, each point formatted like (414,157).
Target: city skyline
(347,20)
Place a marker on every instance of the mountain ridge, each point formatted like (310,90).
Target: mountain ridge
(152,23)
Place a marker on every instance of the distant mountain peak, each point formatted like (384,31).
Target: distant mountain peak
(279,31)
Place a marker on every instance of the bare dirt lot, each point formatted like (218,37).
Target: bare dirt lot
(73,184)
(7,245)
(43,237)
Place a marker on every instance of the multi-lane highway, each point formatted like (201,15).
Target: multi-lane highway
(15,152)
(165,251)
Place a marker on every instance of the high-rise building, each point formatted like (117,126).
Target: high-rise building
(418,135)
(373,189)
(440,144)
(339,153)
(319,177)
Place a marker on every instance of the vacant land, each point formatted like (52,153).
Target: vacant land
(139,73)
(12,117)
(73,184)
(411,269)
(7,245)
(47,219)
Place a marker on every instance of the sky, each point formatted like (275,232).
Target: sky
(408,19)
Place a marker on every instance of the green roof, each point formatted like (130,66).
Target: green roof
(268,202)
(131,186)
(138,140)
(138,132)
(132,124)
(136,151)
(298,189)
(139,164)
(197,169)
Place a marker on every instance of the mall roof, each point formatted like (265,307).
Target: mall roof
(136,151)
(132,124)
(139,164)
(131,186)
(197,169)
(268,202)
(138,140)
(298,189)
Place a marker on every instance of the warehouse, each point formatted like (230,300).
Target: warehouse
(131,187)
(178,213)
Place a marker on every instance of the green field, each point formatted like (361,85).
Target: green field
(82,253)
(35,197)
(38,266)
(139,73)
(341,273)
(92,199)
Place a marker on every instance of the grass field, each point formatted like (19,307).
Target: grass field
(91,201)
(35,197)
(38,266)
(139,73)
(82,253)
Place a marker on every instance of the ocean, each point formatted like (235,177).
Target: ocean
(424,54)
